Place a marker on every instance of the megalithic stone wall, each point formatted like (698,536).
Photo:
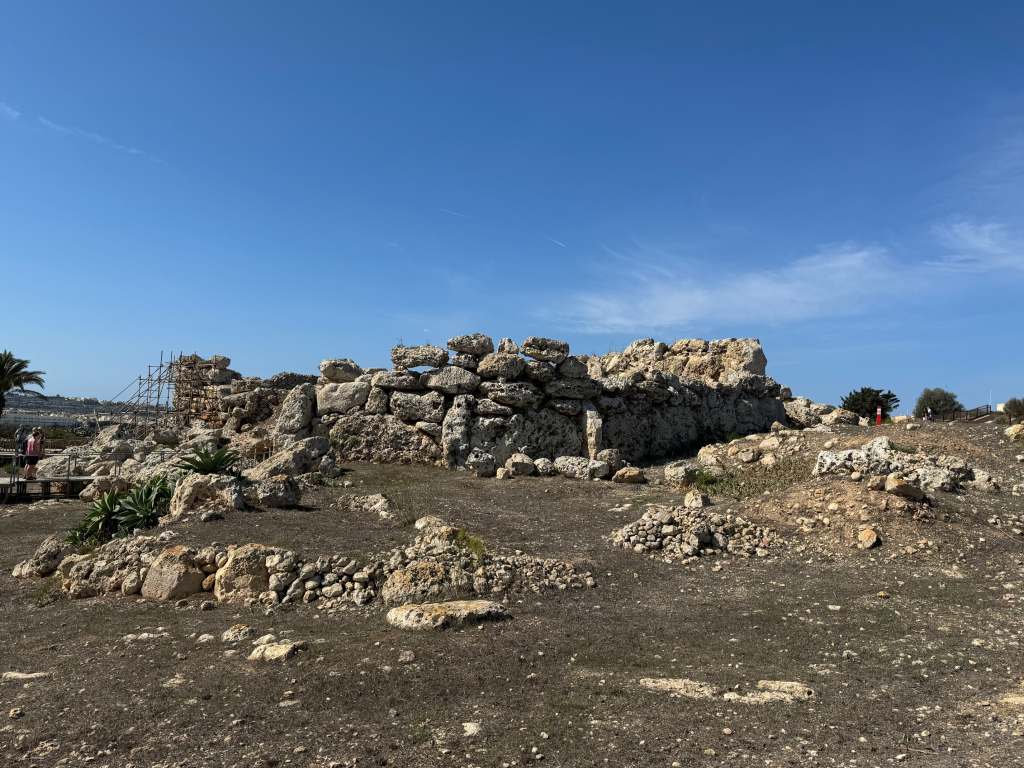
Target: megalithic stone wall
(474,402)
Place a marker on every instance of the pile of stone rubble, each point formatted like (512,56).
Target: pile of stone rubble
(681,533)
(903,472)
(442,561)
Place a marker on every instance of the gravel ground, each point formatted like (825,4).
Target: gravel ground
(913,651)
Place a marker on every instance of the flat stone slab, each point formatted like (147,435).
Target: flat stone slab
(455,613)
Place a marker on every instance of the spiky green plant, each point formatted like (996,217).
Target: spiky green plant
(143,506)
(206,462)
(100,522)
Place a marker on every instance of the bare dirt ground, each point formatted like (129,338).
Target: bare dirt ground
(912,649)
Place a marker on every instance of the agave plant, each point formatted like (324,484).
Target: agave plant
(100,522)
(206,462)
(143,505)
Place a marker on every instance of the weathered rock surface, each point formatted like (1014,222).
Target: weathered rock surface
(297,410)
(276,652)
(476,344)
(880,457)
(203,493)
(416,357)
(341,398)
(45,559)
(500,365)
(174,574)
(244,575)
(451,380)
(382,438)
(545,350)
(297,459)
(340,371)
(456,613)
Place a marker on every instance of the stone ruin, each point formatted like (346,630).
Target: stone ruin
(475,405)
(503,410)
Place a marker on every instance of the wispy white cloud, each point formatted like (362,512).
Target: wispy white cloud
(9,112)
(978,247)
(450,212)
(95,138)
(559,243)
(836,280)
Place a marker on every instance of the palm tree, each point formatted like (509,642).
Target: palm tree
(14,374)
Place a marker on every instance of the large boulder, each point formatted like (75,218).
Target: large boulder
(480,462)
(340,371)
(341,398)
(514,394)
(244,575)
(475,344)
(418,580)
(572,368)
(451,380)
(195,493)
(803,413)
(279,491)
(404,380)
(455,431)
(500,365)
(1015,432)
(361,437)
(297,459)
(545,350)
(520,465)
(415,357)
(174,574)
(840,416)
(297,410)
(581,468)
(45,559)
(409,406)
(456,613)
(681,474)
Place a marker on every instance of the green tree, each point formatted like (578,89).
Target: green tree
(865,400)
(939,400)
(1014,408)
(15,375)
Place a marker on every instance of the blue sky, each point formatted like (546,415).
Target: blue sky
(287,183)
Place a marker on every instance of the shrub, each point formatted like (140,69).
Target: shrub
(941,401)
(865,400)
(205,462)
(473,545)
(1014,408)
(143,506)
(100,522)
(118,514)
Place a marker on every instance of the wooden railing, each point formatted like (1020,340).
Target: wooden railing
(975,413)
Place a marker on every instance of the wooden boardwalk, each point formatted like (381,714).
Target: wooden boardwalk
(18,490)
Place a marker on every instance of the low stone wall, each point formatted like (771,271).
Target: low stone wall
(474,400)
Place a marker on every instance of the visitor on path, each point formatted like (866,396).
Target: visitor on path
(35,449)
(20,438)
(930,416)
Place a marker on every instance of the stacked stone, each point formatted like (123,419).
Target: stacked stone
(441,561)
(474,405)
(680,533)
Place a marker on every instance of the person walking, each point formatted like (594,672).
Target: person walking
(35,449)
(20,438)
